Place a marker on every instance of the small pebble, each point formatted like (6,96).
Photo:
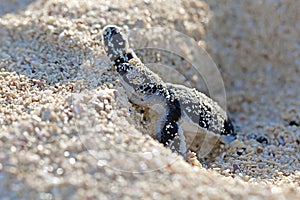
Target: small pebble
(262,139)
(293,123)
(235,168)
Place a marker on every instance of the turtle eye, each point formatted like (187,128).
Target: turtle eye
(109,32)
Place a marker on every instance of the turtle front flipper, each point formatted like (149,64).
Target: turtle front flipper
(169,130)
(171,135)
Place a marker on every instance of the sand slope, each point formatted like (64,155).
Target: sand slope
(57,143)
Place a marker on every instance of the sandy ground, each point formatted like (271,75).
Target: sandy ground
(57,143)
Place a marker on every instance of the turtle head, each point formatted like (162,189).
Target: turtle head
(115,43)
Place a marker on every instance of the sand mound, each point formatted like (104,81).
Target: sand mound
(67,133)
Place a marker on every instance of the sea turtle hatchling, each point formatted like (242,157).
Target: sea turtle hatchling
(184,114)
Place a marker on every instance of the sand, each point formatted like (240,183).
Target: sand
(69,132)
